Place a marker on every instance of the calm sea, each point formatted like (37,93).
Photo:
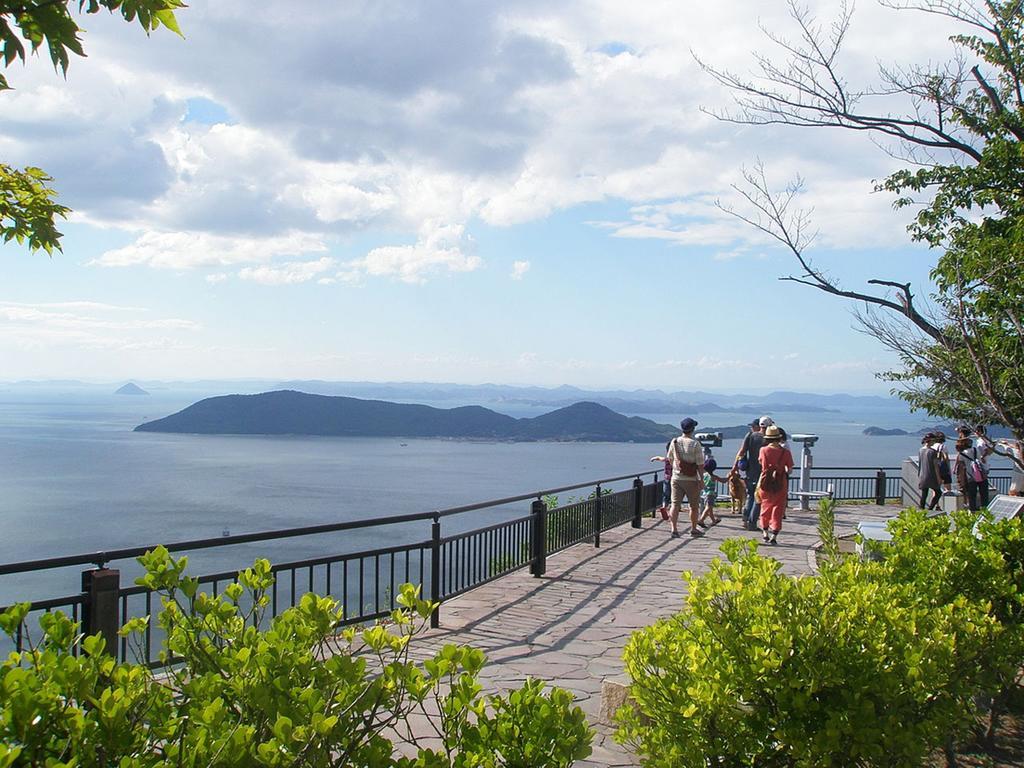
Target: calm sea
(75,478)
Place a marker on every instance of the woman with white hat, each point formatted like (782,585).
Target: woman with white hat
(776,465)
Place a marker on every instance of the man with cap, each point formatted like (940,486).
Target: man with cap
(749,455)
(687,458)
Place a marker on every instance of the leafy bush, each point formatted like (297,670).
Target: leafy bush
(947,559)
(299,693)
(849,667)
(827,528)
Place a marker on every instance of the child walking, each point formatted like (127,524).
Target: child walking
(709,493)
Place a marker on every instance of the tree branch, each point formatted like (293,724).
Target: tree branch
(777,219)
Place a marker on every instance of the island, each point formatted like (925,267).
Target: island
(288,412)
(996,431)
(131,389)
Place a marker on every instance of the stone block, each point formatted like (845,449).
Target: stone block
(614,693)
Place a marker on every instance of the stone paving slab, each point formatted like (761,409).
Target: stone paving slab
(570,626)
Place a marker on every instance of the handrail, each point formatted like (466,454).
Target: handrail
(875,467)
(101,558)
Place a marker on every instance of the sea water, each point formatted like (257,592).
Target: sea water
(75,478)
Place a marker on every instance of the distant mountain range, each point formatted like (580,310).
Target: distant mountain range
(947,429)
(636,401)
(288,412)
(499,396)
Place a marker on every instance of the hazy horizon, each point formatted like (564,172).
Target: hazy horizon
(668,389)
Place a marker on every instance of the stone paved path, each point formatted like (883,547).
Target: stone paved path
(570,626)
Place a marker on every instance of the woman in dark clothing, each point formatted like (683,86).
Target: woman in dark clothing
(928,478)
(966,455)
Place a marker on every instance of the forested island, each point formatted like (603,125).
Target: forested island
(994,431)
(288,412)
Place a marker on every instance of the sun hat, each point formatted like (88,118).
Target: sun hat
(765,421)
(772,433)
(687,424)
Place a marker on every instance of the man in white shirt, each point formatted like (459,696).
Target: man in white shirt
(687,458)
(1014,450)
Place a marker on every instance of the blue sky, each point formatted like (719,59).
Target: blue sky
(402,191)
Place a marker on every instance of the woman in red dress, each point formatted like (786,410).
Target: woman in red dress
(776,464)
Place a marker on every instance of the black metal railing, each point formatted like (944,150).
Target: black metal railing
(365,582)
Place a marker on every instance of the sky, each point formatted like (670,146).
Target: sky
(469,192)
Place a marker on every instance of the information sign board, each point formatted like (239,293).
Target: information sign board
(1006,507)
(1003,507)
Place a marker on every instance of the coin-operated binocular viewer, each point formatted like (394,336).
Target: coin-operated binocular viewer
(806,463)
(708,440)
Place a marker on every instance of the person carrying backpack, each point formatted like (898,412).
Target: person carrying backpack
(969,471)
(687,458)
(773,487)
(748,462)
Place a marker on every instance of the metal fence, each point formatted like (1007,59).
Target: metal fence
(366,583)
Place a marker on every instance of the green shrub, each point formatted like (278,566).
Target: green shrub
(827,528)
(846,668)
(961,557)
(300,693)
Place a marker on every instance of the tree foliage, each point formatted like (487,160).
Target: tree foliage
(294,691)
(28,212)
(863,664)
(960,131)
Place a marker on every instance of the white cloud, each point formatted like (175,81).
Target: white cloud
(439,248)
(519,268)
(42,314)
(187,250)
(94,306)
(503,114)
(707,363)
(291,273)
(85,325)
(216,277)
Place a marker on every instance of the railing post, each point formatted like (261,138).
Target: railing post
(638,497)
(539,540)
(100,613)
(435,571)
(880,488)
(597,517)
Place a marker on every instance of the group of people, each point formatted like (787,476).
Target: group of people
(763,459)
(968,467)
(766,463)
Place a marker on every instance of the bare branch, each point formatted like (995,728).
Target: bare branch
(776,215)
(807,90)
